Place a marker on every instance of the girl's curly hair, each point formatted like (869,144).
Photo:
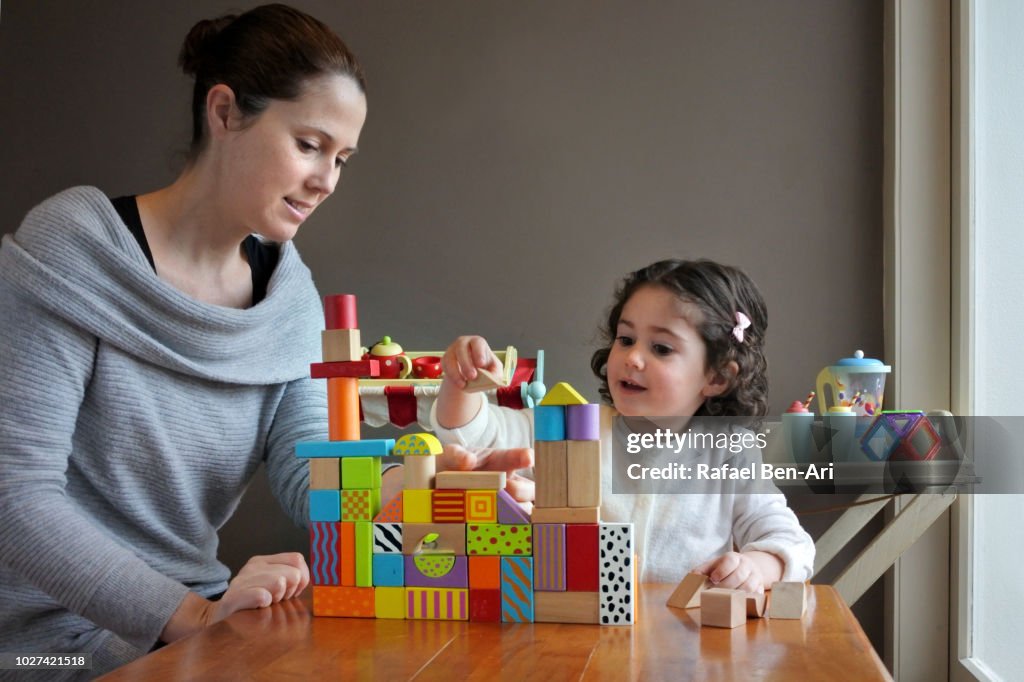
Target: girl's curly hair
(718,292)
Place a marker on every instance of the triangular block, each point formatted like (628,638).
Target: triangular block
(392,511)
(563,394)
(509,510)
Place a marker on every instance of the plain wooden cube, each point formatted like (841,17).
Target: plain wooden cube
(788,600)
(721,608)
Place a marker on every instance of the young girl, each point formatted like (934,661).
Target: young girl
(683,338)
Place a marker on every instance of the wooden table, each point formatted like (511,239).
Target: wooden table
(286,642)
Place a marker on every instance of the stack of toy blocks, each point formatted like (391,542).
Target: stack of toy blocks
(584,569)
(455,545)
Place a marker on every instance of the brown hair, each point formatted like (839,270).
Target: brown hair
(718,292)
(264,54)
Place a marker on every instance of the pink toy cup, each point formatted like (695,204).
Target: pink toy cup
(427,367)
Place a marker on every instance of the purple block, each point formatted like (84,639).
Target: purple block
(509,510)
(583,422)
(458,576)
(549,557)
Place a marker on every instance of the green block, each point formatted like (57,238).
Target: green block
(360,472)
(364,554)
(360,505)
(506,539)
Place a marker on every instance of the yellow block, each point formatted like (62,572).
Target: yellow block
(390,602)
(417,506)
(418,444)
(563,394)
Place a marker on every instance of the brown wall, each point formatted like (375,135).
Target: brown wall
(518,158)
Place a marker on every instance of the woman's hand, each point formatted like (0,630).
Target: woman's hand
(747,571)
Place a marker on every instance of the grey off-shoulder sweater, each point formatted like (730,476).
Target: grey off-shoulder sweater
(132,417)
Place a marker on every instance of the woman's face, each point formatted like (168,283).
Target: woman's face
(280,166)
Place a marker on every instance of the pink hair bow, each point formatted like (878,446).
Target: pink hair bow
(742,322)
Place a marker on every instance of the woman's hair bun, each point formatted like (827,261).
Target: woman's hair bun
(198,42)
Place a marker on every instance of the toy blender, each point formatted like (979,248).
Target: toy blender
(857,383)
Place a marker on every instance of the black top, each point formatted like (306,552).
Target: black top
(262,256)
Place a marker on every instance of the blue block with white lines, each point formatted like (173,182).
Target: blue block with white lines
(379,447)
(325,505)
(388,570)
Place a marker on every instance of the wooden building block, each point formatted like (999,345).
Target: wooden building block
(509,511)
(563,394)
(721,608)
(379,447)
(418,472)
(389,602)
(687,592)
(549,557)
(341,345)
(389,570)
(498,538)
(566,607)
(416,506)
(616,585)
(362,369)
(364,553)
(387,538)
(324,545)
(485,605)
(360,505)
(437,603)
(566,515)
(549,423)
(448,506)
(343,409)
(482,506)
(345,602)
(471,480)
(756,602)
(392,511)
(360,472)
(325,474)
(324,505)
(581,549)
(550,473)
(788,600)
(484,573)
(348,553)
(517,589)
(451,538)
(484,381)
(583,473)
(418,444)
(436,570)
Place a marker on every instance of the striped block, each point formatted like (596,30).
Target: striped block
(498,538)
(517,589)
(359,505)
(324,505)
(389,602)
(549,556)
(391,512)
(364,553)
(449,506)
(323,552)
(482,506)
(380,447)
(388,571)
(437,603)
(618,598)
(387,538)
(346,602)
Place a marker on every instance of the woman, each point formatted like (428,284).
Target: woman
(156,353)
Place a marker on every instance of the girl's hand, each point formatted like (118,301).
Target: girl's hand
(464,356)
(264,580)
(734,571)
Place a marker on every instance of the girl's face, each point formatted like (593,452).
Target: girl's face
(658,363)
(279,167)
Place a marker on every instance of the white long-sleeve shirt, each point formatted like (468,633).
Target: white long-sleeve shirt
(675,533)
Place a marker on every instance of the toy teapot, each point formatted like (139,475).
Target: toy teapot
(394,363)
(855,384)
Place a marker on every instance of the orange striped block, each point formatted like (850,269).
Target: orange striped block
(344,602)
(343,409)
(437,603)
(549,556)
(481,506)
(517,589)
(348,554)
(449,506)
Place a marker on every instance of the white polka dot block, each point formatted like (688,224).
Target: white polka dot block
(618,593)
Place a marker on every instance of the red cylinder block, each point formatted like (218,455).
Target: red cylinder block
(340,311)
